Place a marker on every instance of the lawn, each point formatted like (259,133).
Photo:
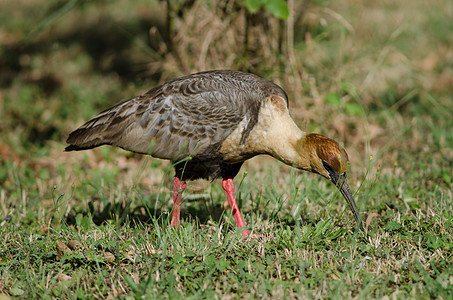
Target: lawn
(377,76)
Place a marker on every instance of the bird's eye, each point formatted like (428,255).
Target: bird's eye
(327,166)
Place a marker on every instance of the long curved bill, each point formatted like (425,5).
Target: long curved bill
(341,182)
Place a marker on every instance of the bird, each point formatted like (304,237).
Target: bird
(207,124)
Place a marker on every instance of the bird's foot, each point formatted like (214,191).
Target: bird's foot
(174,224)
(246,233)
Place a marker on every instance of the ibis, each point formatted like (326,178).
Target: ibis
(207,124)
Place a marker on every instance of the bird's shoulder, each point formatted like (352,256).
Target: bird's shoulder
(217,88)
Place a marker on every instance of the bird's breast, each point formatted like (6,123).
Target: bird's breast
(273,131)
(232,150)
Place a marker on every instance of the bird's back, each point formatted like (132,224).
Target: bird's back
(191,115)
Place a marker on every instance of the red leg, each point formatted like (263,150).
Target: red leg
(178,187)
(228,188)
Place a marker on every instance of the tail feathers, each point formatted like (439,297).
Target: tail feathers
(78,148)
(104,128)
(84,139)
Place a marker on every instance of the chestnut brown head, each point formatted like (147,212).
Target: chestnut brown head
(329,160)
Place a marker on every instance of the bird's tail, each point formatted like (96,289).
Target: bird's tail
(88,136)
(99,130)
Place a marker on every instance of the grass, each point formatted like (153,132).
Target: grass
(94,224)
(407,252)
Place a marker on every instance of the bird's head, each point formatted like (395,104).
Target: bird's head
(329,160)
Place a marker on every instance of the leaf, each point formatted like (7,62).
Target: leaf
(393,225)
(253,5)
(333,99)
(110,257)
(337,233)
(198,268)
(279,8)
(62,248)
(63,277)
(74,244)
(79,220)
(447,177)
(130,282)
(353,109)
(370,218)
(15,291)
(86,222)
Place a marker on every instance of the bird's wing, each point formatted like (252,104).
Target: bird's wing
(172,121)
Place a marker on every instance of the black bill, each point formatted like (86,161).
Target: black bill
(341,182)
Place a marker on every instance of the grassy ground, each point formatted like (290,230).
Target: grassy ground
(377,76)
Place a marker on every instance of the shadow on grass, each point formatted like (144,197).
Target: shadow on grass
(110,44)
(199,210)
(124,213)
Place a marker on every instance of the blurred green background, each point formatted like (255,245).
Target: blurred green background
(375,75)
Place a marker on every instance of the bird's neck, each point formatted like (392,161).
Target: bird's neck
(291,150)
(286,142)
(275,134)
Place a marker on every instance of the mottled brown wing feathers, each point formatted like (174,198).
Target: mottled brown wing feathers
(101,129)
(185,116)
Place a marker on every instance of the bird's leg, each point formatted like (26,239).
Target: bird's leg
(228,188)
(178,187)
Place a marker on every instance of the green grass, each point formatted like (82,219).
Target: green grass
(305,252)
(94,224)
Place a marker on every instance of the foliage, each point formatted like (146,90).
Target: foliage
(278,8)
